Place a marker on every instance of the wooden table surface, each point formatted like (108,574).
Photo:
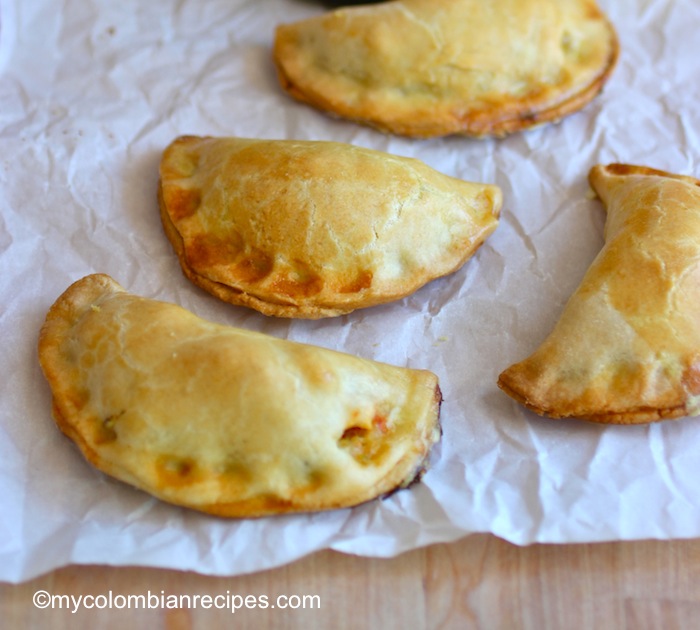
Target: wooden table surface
(478,582)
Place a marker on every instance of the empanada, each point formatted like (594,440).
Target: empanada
(626,349)
(227,421)
(435,67)
(315,229)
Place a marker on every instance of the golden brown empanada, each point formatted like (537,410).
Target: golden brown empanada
(227,421)
(315,229)
(435,67)
(626,349)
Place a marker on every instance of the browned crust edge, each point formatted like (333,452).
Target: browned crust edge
(617,169)
(307,310)
(262,507)
(230,294)
(638,415)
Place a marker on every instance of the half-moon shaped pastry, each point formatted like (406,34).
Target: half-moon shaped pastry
(435,67)
(315,229)
(227,421)
(626,349)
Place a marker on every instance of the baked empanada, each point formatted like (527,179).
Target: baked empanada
(435,67)
(626,349)
(315,229)
(227,421)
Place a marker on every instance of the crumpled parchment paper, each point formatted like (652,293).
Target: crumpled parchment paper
(90,94)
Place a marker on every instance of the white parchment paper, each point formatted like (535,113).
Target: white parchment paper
(90,94)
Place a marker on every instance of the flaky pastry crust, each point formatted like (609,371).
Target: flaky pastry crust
(626,349)
(227,421)
(427,68)
(315,229)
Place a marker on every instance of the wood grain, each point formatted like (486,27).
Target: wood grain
(480,582)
